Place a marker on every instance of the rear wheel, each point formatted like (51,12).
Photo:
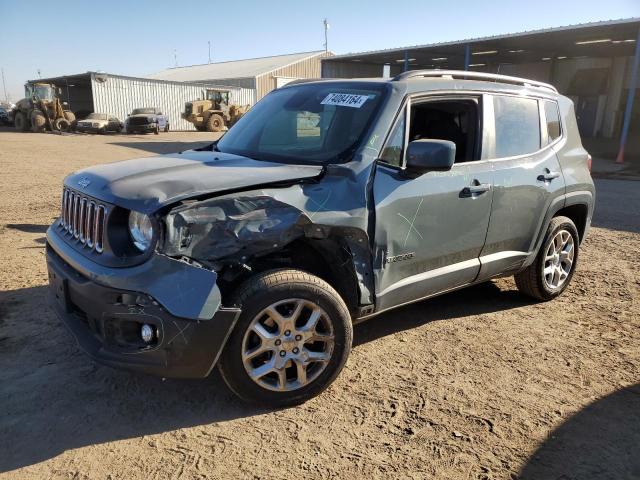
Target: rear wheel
(166,127)
(71,118)
(552,270)
(215,123)
(291,340)
(20,122)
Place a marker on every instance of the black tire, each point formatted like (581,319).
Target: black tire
(38,121)
(71,118)
(61,124)
(531,281)
(215,123)
(166,127)
(20,122)
(264,290)
(156,131)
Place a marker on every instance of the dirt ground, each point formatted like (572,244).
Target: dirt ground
(478,384)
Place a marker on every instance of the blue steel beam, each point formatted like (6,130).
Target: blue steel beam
(632,93)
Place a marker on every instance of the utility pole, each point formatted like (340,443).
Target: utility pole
(209,42)
(4,86)
(326,42)
(175,57)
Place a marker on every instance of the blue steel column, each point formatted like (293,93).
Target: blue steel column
(406,61)
(467,56)
(632,92)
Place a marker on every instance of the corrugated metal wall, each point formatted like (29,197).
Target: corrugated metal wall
(308,68)
(119,95)
(349,69)
(244,82)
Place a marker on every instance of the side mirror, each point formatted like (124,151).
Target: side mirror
(430,154)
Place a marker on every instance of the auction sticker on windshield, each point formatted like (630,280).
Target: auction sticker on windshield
(345,100)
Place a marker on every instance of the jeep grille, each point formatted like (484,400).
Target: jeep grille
(83,219)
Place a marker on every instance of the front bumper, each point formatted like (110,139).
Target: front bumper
(105,316)
(147,127)
(85,128)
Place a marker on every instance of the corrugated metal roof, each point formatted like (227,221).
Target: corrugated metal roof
(578,26)
(251,67)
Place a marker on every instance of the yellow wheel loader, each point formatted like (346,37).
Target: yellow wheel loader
(214,113)
(42,110)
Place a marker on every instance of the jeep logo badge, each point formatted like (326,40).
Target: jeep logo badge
(84,182)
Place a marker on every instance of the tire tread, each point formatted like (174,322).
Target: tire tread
(293,279)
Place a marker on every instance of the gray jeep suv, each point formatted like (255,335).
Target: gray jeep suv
(329,202)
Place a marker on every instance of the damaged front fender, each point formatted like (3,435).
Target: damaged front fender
(232,227)
(236,228)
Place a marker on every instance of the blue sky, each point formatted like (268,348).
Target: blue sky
(137,38)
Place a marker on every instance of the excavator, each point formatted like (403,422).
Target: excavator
(41,110)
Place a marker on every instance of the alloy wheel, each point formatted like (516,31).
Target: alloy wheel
(558,259)
(288,345)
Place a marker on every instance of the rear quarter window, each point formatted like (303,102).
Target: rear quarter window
(554,130)
(517,126)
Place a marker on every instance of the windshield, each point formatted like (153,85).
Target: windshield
(143,111)
(216,96)
(314,123)
(43,92)
(97,116)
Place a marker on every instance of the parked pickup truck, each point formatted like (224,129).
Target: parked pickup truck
(145,120)
(326,204)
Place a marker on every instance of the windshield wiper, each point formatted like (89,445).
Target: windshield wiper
(212,147)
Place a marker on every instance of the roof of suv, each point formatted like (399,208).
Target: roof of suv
(416,81)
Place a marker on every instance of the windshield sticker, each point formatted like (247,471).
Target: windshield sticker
(345,100)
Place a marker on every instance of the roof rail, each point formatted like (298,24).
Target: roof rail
(465,75)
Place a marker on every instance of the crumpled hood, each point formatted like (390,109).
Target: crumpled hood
(147,184)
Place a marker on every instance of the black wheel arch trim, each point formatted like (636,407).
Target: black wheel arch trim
(580,197)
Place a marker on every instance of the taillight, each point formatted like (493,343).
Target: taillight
(589,160)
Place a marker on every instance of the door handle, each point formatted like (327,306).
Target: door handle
(548,176)
(472,190)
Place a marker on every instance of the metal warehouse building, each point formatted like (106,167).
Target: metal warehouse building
(119,95)
(260,75)
(596,64)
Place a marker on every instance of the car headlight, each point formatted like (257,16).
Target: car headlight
(151,119)
(96,125)
(141,230)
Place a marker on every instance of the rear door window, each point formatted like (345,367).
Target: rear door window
(517,126)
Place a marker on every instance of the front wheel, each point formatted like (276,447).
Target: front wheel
(156,131)
(550,273)
(291,341)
